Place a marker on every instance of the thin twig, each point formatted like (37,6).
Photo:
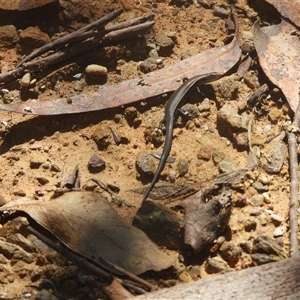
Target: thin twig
(294,173)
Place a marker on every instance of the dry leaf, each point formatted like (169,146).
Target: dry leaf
(279,56)
(217,60)
(288,9)
(22,4)
(87,224)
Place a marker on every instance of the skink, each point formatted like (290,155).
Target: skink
(177,99)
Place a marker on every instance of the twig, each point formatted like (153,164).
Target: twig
(78,35)
(88,266)
(85,42)
(294,248)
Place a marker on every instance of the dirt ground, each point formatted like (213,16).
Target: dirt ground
(36,152)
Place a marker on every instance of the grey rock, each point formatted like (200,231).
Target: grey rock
(96,163)
(15,253)
(262,258)
(227,165)
(215,265)
(266,245)
(145,163)
(256,200)
(260,187)
(250,225)
(220,11)
(183,167)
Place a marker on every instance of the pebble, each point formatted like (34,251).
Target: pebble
(183,167)
(42,180)
(215,265)
(250,225)
(220,12)
(231,253)
(262,258)
(260,187)
(276,219)
(130,114)
(164,42)
(227,165)
(96,163)
(37,160)
(21,241)
(279,231)
(78,86)
(204,106)
(265,244)
(102,136)
(25,81)
(145,163)
(95,70)
(267,198)
(185,277)
(8,35)
(205,152)
(33,37)
(217,155)
(256,200)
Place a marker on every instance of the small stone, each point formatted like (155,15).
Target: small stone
(267,198)
(215,265)
(217,155)
(250,225)
(33,37)
(275,114)
(262,258)
(145,163)
(163,42)
(130,114)
(8,35)
(276,219)
(205,152)
(95,70)
(19,193)
(55,168)
(78,86)
(42,180)
(228,165)
(230,252)
(185,277)
(220,11)
(183,167)
(256,200)
(265,244)
(260,187)
(264,219)
(279,231)
(25,81)
(102,136)
(204,106)
(37,160)
(96,163)
(20,240)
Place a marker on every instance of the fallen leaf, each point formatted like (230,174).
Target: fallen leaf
(22,4)
(288,9)
(87,224)
(217,60)
(204,221)
(279,56)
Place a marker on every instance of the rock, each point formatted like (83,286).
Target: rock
(33,37)
(256,200)
(217,155)
(25,80)
(44,295)
(95,70)
(8,35)
(102,136)
(21,241)
(260,187)
(279,231)
(227,165)
(96,164)
(185,277)
(14,253)
(250,225)
(266,245)
(148,65)
(204,106)
(36,160)
(164,43)
(11,97)
(276,219)
(145,163)
(183,167)
(230,253)
(205,152)
(215,265)
(220,12)
(261,258)
(130,114)
(42,180)
(78,86)
(161,224)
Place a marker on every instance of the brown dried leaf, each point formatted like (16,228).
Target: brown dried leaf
(217,60)
(87,224)
(279,56)
(204,221)
(288,9)
(22,4)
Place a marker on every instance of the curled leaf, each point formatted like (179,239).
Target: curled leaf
(87,224)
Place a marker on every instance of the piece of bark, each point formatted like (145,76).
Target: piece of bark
(280,280)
